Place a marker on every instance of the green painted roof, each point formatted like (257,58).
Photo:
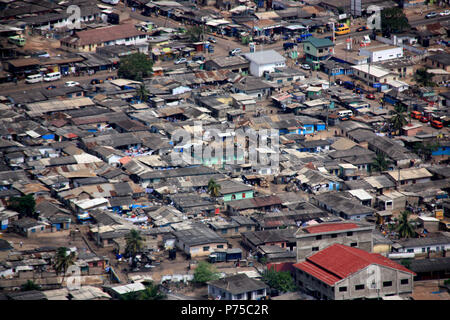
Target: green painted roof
(319,42)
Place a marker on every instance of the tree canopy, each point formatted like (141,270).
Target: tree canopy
(422,77)
(279,280)
(195,33)
(393,20)
(380,163)
(25,205)
(205,272)
(151,292)
(135,67)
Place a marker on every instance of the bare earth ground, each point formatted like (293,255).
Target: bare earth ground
(429,290)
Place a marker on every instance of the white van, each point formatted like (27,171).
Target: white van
(52,76)
(345,114)
(34,78)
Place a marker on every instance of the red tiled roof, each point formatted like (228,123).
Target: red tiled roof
(338,262)
(282,266)
(331,227)
(316,272)
(71,135)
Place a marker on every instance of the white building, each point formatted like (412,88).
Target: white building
(262,61)
(373,74)
(381,53)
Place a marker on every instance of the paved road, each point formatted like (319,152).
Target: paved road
(11,87)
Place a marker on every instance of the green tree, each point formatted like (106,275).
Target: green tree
(195,33)
(213,188)
(425,150)
(142,93)
(380,163)
(135,67)
(404,227)
(134,243)
(30,286)
(25,205)
(393,20)
(279,280)
(423,78)
(398,119)
(63,260)
(151,292)
(205,272)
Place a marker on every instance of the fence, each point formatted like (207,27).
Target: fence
(404,46)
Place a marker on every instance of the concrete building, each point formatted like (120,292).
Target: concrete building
(314,238)
(373,75)
(410,176)
(381,53)
(90,40)
(344,273)
(199,241)
(317,51)
(237,287)
(262,61)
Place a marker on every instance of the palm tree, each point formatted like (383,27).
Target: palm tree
(404,227)
(63,260)
(151,292)
(142,93)
(30,286)
(380,163)
(134,243)
(424,78)
(398,119)
(213,188)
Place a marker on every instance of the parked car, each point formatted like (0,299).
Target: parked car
(305,66)
(211,39)
(96,81)
(445,13)
(431,15)
(370,96)
(363,28)
(198,58)
(235,51)
(180,61)
(424,119)
(71,84)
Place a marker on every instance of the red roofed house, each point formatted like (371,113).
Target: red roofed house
(312,239)
(89,40)
(341,273)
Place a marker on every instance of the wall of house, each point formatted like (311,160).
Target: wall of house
(424,249)
(363,240)
(306,282)
(382,55)
(258,69)
(373,278)
(255,295)
(238,196)
(203,250)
